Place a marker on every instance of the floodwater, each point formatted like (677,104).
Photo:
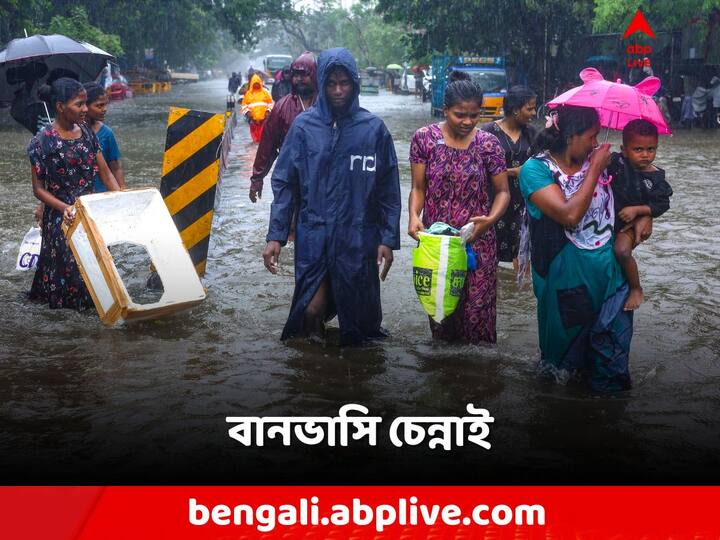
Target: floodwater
(147,402)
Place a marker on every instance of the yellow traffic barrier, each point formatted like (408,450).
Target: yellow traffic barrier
(190,173)
(140,88)
(150,87)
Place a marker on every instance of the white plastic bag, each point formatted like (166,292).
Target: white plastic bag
(29,250)
(467,231)
(524,263)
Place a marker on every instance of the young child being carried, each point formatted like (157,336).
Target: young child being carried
(639,189)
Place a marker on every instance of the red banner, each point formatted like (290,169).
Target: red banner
(492,513)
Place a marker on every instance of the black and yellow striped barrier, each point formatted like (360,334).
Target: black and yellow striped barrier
(191,167)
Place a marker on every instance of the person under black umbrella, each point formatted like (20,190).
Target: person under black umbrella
(32,57)
(26,109)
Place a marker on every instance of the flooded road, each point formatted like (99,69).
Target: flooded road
(147,402)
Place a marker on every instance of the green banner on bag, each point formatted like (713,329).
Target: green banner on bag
(439,270)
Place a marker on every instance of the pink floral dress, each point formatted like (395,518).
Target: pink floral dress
(459,187)
(67,169)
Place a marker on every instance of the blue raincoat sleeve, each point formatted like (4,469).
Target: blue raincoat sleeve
(284,186)
(388,186)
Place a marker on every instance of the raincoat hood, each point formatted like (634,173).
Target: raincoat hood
(256,82)
(306,62)
(329,59)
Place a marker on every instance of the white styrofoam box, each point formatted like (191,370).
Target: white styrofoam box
(136,217)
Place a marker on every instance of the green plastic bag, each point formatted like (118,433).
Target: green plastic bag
(439,270)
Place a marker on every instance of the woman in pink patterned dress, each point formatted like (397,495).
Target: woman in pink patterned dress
(456,169)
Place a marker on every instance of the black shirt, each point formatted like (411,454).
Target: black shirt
(635,188)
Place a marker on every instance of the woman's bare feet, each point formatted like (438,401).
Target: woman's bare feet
(634,299)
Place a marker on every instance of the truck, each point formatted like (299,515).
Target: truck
(487,71)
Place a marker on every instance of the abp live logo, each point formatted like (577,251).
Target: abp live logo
(638,54)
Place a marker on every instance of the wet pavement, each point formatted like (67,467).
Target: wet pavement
(147,402)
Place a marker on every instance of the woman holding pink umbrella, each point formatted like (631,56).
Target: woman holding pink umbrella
(579,286)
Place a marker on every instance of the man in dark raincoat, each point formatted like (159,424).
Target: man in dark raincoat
(338,166)
(234,83)
(283,85)
(304,93)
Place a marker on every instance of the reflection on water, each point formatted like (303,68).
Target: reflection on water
(147,401)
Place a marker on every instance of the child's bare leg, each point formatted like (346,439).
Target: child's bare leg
(623,252)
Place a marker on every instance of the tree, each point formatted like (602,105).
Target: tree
(379,42)
(181,32)
(372,40)
(16,16)
(184,32)
(78,27)
(615,15)
(538,38)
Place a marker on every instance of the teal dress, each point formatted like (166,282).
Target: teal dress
(579,285)
(110,151)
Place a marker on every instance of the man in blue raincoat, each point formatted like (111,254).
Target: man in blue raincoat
(338,167)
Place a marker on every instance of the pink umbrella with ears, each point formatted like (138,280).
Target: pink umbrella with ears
(616,103)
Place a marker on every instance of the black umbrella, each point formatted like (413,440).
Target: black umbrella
(38,59)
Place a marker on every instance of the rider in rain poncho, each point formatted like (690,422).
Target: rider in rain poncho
(255,105)
(338,166)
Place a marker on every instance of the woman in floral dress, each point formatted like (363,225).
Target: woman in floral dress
(455,170)
(65,156)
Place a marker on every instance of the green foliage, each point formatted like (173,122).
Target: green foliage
(182,33)
(540,37)
(372,40)
(78,27)
(381,43)
(615,15)
(17,16)
(544,41)
(542,34)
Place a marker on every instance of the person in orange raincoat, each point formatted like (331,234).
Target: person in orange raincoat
(256,104)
